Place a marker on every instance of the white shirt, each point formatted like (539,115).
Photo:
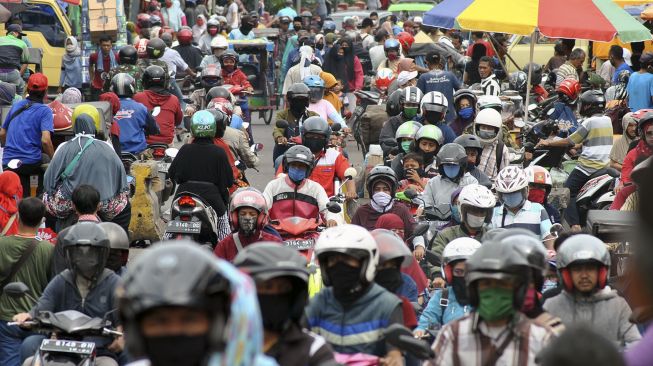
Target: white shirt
(232,16)
(174,61)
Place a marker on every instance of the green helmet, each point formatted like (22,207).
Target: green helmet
(407,130)
(430,132)
(203,125)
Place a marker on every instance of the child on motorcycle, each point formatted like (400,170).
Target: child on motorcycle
(405,137)
(318,104)
(414,172)
(428,141)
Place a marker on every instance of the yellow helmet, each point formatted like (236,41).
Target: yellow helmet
(91,111)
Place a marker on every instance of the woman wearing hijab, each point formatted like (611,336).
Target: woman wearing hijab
(346,67)
(71,95)
(71,66)
(97,166)
(199,29)
(11,191)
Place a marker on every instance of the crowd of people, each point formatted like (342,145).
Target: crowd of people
(505,287)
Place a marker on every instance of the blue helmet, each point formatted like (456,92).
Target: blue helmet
(391,44)
(314,81)
(329,26)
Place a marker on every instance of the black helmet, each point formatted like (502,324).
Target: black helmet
(300,154)
(218,92)
(454,154)
(86,246)
(229,54)
(536,74)
(267,260)
(464,94)
(394,103)
(468,141)
(177,274)
(298,90)
(385,174)
(155,48)
(317,126)
(518,81)
(155,76)
(128,55)
(591,102)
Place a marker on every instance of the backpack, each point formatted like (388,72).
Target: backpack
(616,114)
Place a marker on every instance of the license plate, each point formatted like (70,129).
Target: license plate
(163,167)
(299,244)
(184,227)
(64,346)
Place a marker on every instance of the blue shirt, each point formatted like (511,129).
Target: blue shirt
(622,67)
(436,315)
(447,131)
(24,132)
(408,288)
(566,119)
(132,119)
(444,82)
(640,90)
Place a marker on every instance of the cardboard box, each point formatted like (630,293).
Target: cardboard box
(102,4)
(104,20)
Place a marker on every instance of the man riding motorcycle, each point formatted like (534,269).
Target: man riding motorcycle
(209,78)
(296,112)
(563,108)
(495,155)
(409,104)
(219,46)
(474,149)
(128,57)
(155,49)
(434,107)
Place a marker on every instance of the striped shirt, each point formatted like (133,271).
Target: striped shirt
(566,71)
(596,135)
(531,216)
(469,341)
(490,86)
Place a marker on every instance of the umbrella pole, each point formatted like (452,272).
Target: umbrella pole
(530,75)
(503,66)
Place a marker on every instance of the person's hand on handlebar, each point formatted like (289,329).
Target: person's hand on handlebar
(21,318)
(281,140)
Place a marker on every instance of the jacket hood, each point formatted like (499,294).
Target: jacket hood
(625,121)
(156,99)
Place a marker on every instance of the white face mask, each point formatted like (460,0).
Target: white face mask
(381,202)
(474,222)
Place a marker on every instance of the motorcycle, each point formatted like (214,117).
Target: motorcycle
(347,210)
(164,155)
(299,233)
(67,330)
(597,193)
(192,218)
(35,180)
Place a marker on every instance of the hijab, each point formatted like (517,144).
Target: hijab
(70,57)
(11,191)
(198,31)
(71,95)
(389,221)
(341,68)
(406,64)
(307,57)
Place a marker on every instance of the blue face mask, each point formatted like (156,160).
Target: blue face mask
(513,199)
(451,170)
(296,174)
(466,113)
(455,213)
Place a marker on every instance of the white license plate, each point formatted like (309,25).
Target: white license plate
(163,167)
(64,346)
(184,227)
(300,244)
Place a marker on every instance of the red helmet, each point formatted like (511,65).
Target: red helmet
(406,40)
(222,104)
(384,78)
(570,88)
(248,197)
(141,47)
(185,36)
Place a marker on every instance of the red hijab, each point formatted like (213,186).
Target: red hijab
(11,191)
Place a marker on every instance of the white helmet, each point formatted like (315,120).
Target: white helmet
(351,240)
(457,249)
(489,101)
(488,117)
(476,195)
(511,179)
(412,94)
(437,101)
(219,42)
(538,175)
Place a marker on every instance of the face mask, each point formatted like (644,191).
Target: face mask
(85,264)
(296,174)
(345,280)
(114,261)
(433,117)
(451,170)
(315,145)
(410,112)
(487,135)
(176,350)
(298,106)
(275,311)
(229,68)
(392,56)
(548,285)
(213,31)
(495,304)
(428,157)
(466,113)
(405,145)
(536,195)
(530,301)
(319,46)
(513,199)
(474,222)
(247,225)
(381,202)
(389,278)
(70,48)
(460,289)
(455,213)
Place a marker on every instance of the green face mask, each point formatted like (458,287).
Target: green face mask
(405,145)
(495,303)
(410,112)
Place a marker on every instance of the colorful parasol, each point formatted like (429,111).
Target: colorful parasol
(597,20)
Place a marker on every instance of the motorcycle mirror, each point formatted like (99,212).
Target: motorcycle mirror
(532,107)
(411,193)
(402,338)
(14,164)
(351,173)
(172,152)
(421,229)
(335,127)
(256,147)
(282,123)
(333,207)
(556,230)
(15,289)
(155,111)
(245,125)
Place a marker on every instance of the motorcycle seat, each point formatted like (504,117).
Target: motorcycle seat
(614,173)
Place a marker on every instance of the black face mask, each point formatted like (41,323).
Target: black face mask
(428,157)
(319,46)
(389,278)
(315,145)
(460,289)
(220,132)
(345,279)
(177,350)
(114,261)
(298,106)
(432,117)
(275,310)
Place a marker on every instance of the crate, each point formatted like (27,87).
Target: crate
(103,21)
(102,4)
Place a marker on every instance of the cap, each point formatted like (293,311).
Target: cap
(16,28)
(37,82)
(406,76)
(646,58)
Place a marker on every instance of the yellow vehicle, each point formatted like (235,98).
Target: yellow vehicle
(520,49)
(47,28)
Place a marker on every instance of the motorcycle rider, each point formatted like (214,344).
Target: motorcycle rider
(428,141)
(405,137)
(295,113)
(231,74)
(212,33)
(293,194)
(210,318)
(496,331)
(349,257)
(209,78)
(495,156)
(219,45)
(474,150)
(281,281)
(464,101)
(317,103)
(434,107)
(451,302)
(248,23)
(563,108)
(409,109)
(516,210)
(190,53)
(584,265)
(539,187)
(392,55)
(248,216)
(595,133)
(159,101)
(86,286)
(118,247)
(236,137)
(203,168)
(155,49)
(128,57)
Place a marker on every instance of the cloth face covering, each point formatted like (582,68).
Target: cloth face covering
(381,202)
(296,174)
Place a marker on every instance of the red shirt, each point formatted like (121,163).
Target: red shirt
(97,82)
(169,116)
(227,249)
(237,78)
(331,164)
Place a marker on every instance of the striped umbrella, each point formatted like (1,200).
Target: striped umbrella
(597,20)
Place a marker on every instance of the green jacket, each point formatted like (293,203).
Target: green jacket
(447,235)
(285,114)
(132,70)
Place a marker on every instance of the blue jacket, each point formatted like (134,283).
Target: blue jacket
(408,288)
(566,119)
(135,122)
(436,315)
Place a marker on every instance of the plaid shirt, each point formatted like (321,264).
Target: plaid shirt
(488,163)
